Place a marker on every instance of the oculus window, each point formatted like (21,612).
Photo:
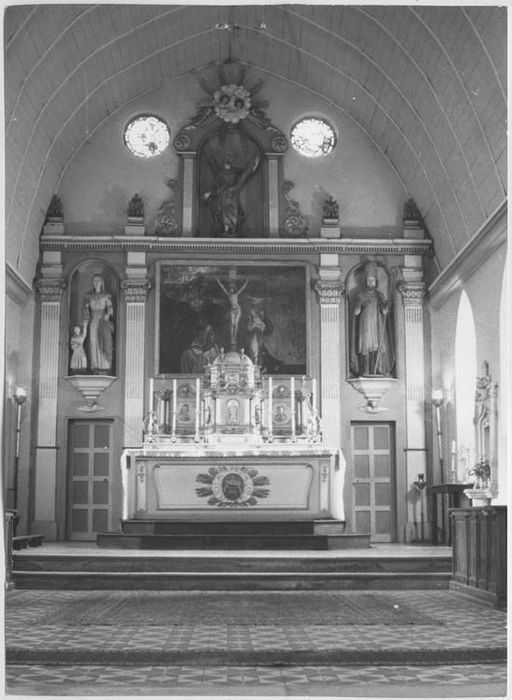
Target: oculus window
(146,136)
(313,137)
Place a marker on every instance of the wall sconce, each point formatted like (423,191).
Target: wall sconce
(20,396)
(437,402)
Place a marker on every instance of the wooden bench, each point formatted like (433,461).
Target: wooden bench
(24,541)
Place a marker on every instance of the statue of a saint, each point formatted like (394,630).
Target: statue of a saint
(235,310)
(98,312)
(371,352)
(224,199)
(78,357)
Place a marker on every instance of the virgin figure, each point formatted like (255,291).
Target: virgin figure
(98,312)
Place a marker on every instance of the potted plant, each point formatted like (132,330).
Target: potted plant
(480,472)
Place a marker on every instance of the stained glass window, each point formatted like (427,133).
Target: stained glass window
(146,136)
(313,137)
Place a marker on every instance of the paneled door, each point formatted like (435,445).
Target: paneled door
(89,477)
(374,480)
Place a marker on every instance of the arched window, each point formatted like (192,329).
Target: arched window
(465,378)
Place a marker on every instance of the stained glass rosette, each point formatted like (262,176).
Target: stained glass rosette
(232,103)
(313,138)
(146,136)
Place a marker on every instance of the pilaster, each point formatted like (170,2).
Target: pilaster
(413,293)
(273,196)
(49,286)
(135,289)
(330,289)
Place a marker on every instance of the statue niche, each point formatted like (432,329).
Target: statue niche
(371,324)
(230,185)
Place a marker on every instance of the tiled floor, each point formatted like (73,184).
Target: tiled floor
(235,658)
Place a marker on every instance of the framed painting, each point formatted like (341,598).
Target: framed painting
(204,309)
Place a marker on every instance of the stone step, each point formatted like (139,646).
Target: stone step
(118,540)
(228,581)
(233,527)
(230,564)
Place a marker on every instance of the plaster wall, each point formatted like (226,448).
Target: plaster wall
(103,176)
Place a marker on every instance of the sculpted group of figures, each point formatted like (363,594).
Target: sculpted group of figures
(92,343)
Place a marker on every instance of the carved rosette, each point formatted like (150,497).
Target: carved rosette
(135,291)
(50,290)
(329,292)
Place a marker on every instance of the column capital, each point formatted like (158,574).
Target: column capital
(135,290)
(413,293)
(329,291)
(50,289)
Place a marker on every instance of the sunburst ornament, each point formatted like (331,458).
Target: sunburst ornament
(232,487)
(232,103)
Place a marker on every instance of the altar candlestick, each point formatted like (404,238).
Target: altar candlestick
(270,406)
(292,392)
(174,405)
(151,392)
(198,389)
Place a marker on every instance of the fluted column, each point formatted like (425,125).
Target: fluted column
(50,290)
(413,293)
(135,293)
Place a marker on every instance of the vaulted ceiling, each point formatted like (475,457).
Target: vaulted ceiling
(426,84)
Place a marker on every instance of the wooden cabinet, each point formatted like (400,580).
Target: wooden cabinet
(480,552)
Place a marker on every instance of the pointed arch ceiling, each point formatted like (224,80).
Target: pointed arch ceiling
(426,84)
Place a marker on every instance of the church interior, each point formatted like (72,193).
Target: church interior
(256,347)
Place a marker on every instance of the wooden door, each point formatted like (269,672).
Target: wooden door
(374,480)
(89,476)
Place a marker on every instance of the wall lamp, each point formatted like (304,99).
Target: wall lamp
(437,402)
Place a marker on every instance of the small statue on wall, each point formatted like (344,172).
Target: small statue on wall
(371,346)
(78,362)
(98,312)
(223,199)
(330,209)
(136,207)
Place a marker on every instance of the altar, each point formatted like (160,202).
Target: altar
(232,445)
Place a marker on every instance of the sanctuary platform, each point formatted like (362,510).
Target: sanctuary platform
(232,460)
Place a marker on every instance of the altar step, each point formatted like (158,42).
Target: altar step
(180,534)
(230,572)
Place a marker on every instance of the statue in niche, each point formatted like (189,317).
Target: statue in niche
(223,199)
(98,312)
(371,351)
(235,310)
(78,360)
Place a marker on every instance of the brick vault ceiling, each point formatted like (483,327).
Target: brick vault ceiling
(426,84)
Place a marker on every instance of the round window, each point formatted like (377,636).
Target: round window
(313,137)
(146,136)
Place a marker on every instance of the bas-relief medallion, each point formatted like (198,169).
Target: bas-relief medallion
(207,309)
(232,487)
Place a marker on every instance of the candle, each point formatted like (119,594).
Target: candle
(292,392)
(198,389)
(174,404)
(313,391)
(270,405)
(151,392)
(454,447)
